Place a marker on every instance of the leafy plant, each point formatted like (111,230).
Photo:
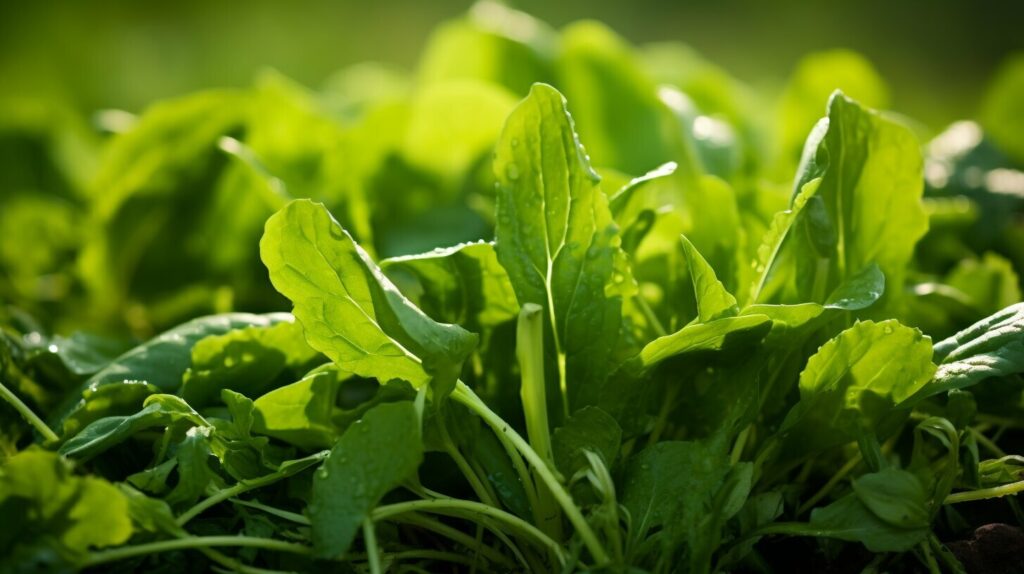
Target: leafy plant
(635,348)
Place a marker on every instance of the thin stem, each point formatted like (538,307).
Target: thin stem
(741,443)
(832,482)
(27,414)
(418,555)
(929,558)
(987,443)
(470,509)
(285,514)
(457,536)
(245,486)
(649,314)
(982,494)
(466,396)
(666,408)
(370,541)
(194,542)
(466,470)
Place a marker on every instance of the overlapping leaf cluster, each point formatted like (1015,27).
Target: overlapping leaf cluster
(664,327)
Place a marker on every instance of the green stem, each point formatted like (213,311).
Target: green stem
(466,470)
(832,482)
(741,443)
(649,314)
(457,536)
(532,391)
(194,542)
(245,486)
(504,431)
(982,494)
(285,514)
(26,413)
(929,558)
(987,443)
(419,555)
(471,510)
(370,541)
(666,409)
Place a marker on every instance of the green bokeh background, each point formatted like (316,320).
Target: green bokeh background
(937,56)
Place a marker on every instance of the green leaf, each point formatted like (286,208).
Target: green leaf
(349,310)
(867,208)
(589,428)
(858,292)
(355,476)
(854,382)
(717,335)
(1002,110)
(849,519)
(992,347)
(249,361)
(40,493)
(100,435)
(463,285)
(617,105)
(301,413)
(713,299)
(668,486)
(815,78)
(557,240)
(895,496)
(163,360)
(493,44)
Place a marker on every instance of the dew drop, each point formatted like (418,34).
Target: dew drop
(512,171)
(515,142)
(887,330)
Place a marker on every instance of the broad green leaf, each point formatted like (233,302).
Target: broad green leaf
(626,124)
(854,382)
(557,240)
(152,193)
(100,435)
(589,428)
(492,43)
(867,207)
(249,361)
(815,78)
(41,495)
(849,519)
(713,299)
(125,398)
(349,310)
(463,285)
(667,487)
(992,347)
(1003,110)
(85,353)
(163,360)
(452,124)
(717,335)
(895,496)
(990,283)
(355,476)
(301,413)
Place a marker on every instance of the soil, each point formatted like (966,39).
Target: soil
(993,549)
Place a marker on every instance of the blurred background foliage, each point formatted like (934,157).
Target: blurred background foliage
(142,145)
(936,56)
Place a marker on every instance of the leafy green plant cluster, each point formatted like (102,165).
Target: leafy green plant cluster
(558,304)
